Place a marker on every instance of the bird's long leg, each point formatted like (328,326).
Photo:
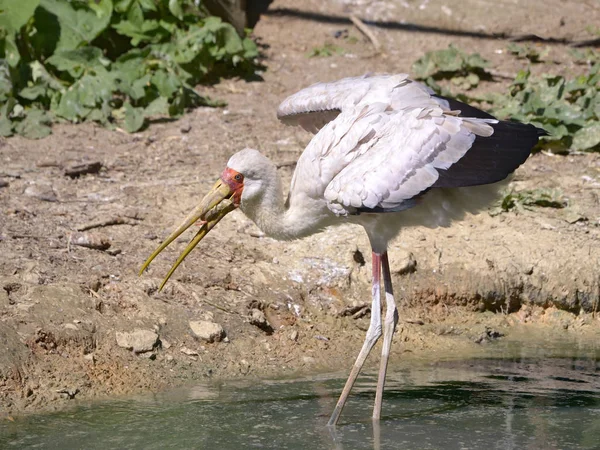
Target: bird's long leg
(389,326)
(373,334)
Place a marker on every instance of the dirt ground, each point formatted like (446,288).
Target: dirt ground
(534,271)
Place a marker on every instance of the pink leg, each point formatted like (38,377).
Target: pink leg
(389,326)
(373,334)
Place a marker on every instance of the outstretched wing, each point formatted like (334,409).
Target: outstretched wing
(383,141)
(315,106)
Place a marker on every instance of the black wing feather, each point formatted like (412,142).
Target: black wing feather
(492,159)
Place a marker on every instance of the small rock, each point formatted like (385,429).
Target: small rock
(403,263)
(165,344)
(574,217)
(258,319)
(207,331)
(71,326)
(139,341)
(308,360)
(185,127)
(41,192)
(415,321)
(3,184)
(96,241)
(294,335)
(189,351)
(169,358)
(90,358)
(77,170)
(70,393)
(488,335)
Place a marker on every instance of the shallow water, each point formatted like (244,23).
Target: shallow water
(522,398)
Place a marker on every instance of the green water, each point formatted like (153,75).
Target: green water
(518,402)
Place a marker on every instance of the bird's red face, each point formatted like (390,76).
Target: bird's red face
(235,181)
(224,197)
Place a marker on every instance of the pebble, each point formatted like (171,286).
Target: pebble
(258,319)
(185,127)
(139,340)
(41,192)
(189,351)
(403,263)
(96,241)
(76,170)
(207,331)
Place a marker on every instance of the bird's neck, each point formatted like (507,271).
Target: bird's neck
(300,216)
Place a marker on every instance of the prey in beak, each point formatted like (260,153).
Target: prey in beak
(224,197)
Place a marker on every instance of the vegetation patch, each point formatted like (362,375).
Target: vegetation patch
(568,108)
(120,62)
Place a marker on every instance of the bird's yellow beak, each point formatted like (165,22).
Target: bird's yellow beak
(220,201)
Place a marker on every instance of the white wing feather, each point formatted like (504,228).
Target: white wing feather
(384,147)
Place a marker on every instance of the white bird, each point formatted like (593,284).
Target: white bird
(387,154)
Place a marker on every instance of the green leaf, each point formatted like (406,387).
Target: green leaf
(121,6)
(175,8)
(148,5)
(166,83)
(78,61)
(157,108)
(11,51)
(448,63)
(16,13)
(33,92)
(587,138)
(6,127)
(88,93)
(34,125)
(40,74)
(6,84)
(134,118)
(149,31)
(69,25)
(135,15)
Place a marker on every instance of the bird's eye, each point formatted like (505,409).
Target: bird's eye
(239,177)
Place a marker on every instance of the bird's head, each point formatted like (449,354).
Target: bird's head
(239,184)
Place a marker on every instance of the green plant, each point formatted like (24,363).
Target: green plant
(326,50)
(120,62)
(531,53)
(545,198)
(569,109)
(463,70)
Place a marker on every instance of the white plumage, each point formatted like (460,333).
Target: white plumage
(387,153)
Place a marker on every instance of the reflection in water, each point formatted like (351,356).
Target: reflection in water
(519,403)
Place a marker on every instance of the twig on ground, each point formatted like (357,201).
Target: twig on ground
(106,223)
(365,30)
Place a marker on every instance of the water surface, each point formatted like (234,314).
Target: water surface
(518,399)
